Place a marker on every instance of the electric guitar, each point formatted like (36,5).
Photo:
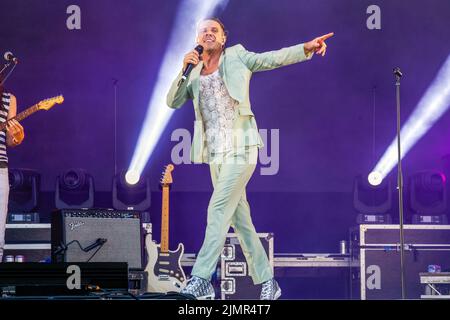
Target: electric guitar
(164,266)
(43,105)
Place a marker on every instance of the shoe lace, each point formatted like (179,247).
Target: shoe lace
(198,284)
(267,289)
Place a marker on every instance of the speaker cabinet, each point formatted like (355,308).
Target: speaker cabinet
(93,235)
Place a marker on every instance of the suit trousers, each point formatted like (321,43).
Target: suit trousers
(228,206)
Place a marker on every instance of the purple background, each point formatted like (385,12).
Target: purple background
(323,108)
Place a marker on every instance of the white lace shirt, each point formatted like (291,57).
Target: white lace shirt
(217,108)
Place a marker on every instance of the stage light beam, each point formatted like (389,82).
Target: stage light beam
(434,103)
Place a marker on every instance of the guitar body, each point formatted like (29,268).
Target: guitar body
(164,268)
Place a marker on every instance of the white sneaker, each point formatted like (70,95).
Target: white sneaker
(200,288)
(270,290)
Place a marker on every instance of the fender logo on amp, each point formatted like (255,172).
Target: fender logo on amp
(76,224)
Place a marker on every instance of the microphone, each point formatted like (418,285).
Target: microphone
(190,66)
(397,72)
(98,242)
(9,56)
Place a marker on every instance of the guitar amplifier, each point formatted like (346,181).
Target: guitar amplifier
(235,282)
(97,235)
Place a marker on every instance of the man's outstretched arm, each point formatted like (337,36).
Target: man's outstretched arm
(278,58)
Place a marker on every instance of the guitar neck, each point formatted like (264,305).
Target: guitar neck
(165,220)
(24,114)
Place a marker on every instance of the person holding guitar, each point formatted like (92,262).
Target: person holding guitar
(226,137)
(13,136)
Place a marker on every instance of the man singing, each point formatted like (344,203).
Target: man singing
(226,137)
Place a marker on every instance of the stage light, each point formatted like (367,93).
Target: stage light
(370,199)
(158,113)
(374,178)
(372,202)
(428,197)
(130,197)
(24,190)
(430,108)
(74,190)
(132,177)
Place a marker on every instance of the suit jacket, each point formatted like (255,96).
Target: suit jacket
(236,66)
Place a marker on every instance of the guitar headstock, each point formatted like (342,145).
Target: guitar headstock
(166,178)
(48,103)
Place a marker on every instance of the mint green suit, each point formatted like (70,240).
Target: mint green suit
(231,171)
